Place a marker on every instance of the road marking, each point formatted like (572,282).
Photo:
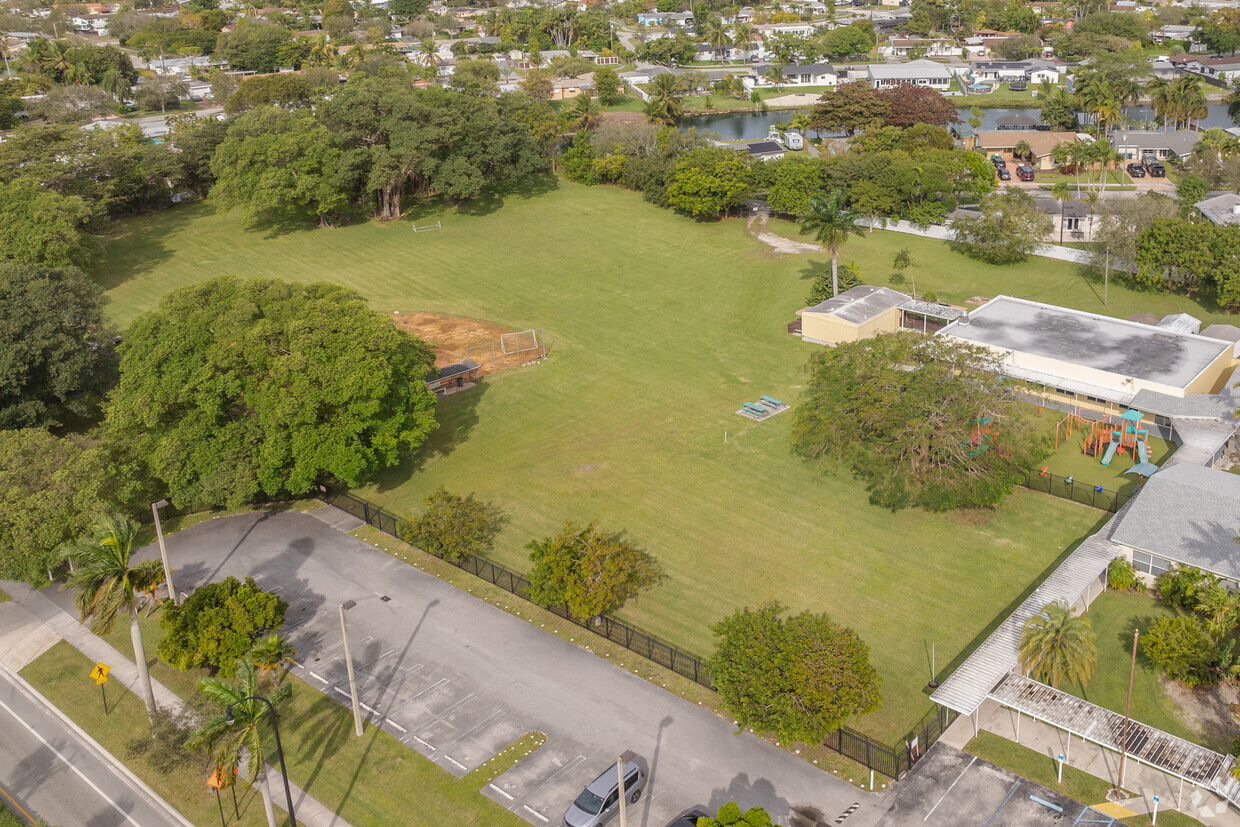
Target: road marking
(22,809)
(537,814)
(439,716)
(69,764)
(430,688)
(396,725)
(454,761)
(501,792)
(413,668)
(316,677)
(423,743)
(949,789)
(368,708)
(376,660)
(497,713)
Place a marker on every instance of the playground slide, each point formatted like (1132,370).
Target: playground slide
(1141,453)
(1106,458)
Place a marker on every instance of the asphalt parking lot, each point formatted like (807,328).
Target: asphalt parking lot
(950,788)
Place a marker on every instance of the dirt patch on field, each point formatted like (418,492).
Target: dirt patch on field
(778,242)
(456,338)
(1207,711)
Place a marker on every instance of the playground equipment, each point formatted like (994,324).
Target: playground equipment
(1123,437)
(1071,422)
(984,436)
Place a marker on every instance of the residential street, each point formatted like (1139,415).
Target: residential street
(458,679)
(55,774)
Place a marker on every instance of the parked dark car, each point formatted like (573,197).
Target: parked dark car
(999,163)
(1155,169)
(1018,86)
(1003,173)
(1024,173)
(1135,170)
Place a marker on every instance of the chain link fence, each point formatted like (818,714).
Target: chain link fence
(1070,489)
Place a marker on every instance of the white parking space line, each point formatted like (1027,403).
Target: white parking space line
(441,715)
(426,744)
(536,814)
(949,789)
(430,688)
(454,761)
(316,677)
(501,792)
(395,725)
(485,721)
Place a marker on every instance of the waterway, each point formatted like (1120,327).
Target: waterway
(751,126)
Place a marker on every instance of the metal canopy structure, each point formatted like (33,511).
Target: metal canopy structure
(932,309)
(973,681)
(1158,749)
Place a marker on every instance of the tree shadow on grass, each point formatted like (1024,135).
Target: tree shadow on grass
(813,269)
(135,246)
(320,733)
(457,415)
(494,198)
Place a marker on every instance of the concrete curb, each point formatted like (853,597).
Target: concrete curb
(174,817)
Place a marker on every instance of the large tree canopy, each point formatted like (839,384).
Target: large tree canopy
(41,226)
(50,491)
(588,570)
(232,390)
(798,678)
(925,422)
(55,351)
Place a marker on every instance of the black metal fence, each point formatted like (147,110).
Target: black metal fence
(891,761)
(1075,490)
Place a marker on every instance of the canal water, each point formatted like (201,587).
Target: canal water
(751,126)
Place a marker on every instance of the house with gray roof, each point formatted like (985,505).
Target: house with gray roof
(915,72)
(1186,515)
(1140,144)
(1223,210)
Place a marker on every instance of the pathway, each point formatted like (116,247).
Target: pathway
(778,242)
(55,619)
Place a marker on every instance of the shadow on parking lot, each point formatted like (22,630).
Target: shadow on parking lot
(747,794)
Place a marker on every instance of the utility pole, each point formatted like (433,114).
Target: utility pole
(163,552)
(1123,745)
(348,663)
(624,818)
(1106,277)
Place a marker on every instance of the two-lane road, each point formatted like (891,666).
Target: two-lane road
(50,771)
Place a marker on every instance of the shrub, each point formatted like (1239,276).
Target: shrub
(1182,650)
(218,624)
(1180,586)
(1121,576)
(453,526)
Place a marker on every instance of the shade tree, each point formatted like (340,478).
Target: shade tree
(588,571)
(218,624)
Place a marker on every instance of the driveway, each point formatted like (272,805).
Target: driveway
(458,679)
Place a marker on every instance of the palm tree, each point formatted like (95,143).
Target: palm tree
(1091,198)
(1056,645)
(774,75)
(1023,150)
(664,103)
(321,52)
(800,122)
(742,36)
(716,36)
(109,582)
(114,83)
(56,57)
(586,112)
(5,53)
(831,223)
(229,742)
(1062,193)
(1215,142)
(427,56)
(1188,102)
(1159,90)
(271,653)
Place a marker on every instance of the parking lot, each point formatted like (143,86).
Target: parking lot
(458,679)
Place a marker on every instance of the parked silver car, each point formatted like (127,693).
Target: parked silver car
(599,802)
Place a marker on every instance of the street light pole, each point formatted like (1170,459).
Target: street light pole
(275,728)
(348,662)
(1123,743)
(163,552)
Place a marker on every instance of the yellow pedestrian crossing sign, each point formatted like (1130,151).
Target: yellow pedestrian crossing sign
(100,673)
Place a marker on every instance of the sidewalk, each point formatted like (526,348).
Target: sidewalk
(310,811)
(1141,779)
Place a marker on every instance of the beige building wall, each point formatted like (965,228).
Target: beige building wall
(1214,376)
(825,327)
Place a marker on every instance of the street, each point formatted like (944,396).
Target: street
(458,679)
(53,773)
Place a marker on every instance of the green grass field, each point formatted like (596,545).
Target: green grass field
(1114,616)
(660,327)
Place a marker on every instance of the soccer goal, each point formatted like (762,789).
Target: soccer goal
(522,342)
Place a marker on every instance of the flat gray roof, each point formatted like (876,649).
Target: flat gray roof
(1189,514)
(860,304)
(1104,343)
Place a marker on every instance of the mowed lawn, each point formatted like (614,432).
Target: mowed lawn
(660,327)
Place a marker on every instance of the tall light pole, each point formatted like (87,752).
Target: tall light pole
(229,718)
(163,552)
(348,662)
(1123,743)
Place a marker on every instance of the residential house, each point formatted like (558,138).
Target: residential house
(906,46)
(178,65)
(763,150)
(798,29)
(1076,217)
(91,23)
(1019,123)
(566,88)
(1041,145)
(1140,144)
(1223,210)
(1009,71)
(809,74)
(1220,68)
(915,72)
(1180,33)
(670,19)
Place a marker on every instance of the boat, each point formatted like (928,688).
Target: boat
(773,134)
